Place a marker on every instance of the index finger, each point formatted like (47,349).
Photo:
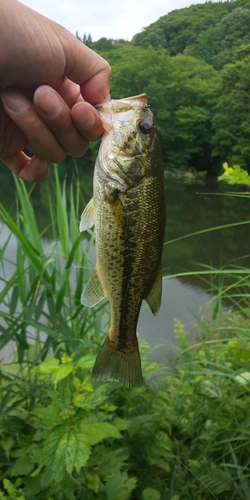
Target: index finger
(89,70)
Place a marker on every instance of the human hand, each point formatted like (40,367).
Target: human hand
(48,83)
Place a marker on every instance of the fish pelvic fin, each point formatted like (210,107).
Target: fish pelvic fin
(88,216)
(121,364)
(154,297)
(93,291)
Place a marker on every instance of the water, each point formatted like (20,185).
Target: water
(188,210)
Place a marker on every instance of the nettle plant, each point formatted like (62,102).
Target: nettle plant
(62,436)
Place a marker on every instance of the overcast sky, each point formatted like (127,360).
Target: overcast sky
(106,18)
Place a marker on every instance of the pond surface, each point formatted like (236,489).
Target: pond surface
(190,208)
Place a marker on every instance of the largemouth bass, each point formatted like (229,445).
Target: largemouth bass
(128,211)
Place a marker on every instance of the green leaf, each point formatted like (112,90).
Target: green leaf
(119,486)
(48,417)
(97,432)
(62,372)
(33,255)
(112,461)
(64,450)
(61,294)
(73,252)
(29,220)
(14,493)
(48,367)
(23,466)
(151,494)
(7,445)
(62,218)
(14,300)
(76,451)
(21,274)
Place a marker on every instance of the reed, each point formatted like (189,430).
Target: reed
(41,299)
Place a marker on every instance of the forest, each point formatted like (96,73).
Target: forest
(194,64)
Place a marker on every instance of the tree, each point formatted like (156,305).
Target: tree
(87,40)
(181,28)
(182,91)
(154,37)
(218,44)
(231,124)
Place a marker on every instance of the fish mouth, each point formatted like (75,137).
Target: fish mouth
(115,106)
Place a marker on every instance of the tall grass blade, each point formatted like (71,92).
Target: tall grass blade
(62,217)
(28,218)
(31,252)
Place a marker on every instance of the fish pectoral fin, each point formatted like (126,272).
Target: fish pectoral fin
(93,291)
(154,297)
(88,216)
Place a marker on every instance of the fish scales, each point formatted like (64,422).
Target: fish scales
(128,210)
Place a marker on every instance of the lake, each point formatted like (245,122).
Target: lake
(190,208)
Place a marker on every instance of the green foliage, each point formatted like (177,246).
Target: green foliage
(154,37)
(188,438)
(194,65)
(14,493)
(218,44)
(234,175)
(182,27)
(231,118)
(41,300)
(182,91)
(183,436)
(65,431)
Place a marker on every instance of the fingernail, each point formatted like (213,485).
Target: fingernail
(15,101)
(48,101)
(85,115)
(90,119)
(42,167)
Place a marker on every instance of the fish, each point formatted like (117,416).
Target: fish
(128,212)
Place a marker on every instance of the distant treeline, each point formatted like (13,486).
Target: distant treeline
(194,64)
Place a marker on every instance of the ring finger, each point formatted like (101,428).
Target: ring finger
(23,113)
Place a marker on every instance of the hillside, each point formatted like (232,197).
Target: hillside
(194,63)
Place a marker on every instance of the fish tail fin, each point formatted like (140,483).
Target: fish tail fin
(121,364)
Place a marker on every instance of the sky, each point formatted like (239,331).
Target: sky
(106,18)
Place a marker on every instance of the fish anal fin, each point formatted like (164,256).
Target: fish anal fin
(88,216)
(121,364)
(93,291)
(154,297)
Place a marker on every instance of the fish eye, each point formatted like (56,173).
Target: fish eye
(145,128)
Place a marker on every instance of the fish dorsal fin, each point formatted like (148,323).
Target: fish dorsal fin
(88,216)
(93,291)
(154,297)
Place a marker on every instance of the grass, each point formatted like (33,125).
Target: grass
(41,298)
(185,436)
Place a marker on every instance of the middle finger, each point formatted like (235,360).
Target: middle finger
(54,111)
